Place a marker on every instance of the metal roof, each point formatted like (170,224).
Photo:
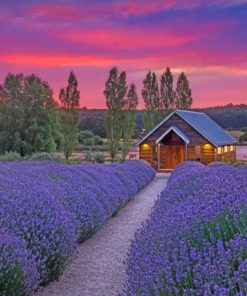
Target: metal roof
(177,131)
(208,128)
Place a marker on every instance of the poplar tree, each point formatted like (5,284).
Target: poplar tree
(115,91)
(70,114)
(153,104)
(183,93)
(129,121)
(167,93)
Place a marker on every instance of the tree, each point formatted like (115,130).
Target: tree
(183,93)
(129,121)
(28,115)
(167,93)
(70,114)
(151,97)
(115,91)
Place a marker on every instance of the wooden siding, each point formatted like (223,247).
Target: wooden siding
(207,153)
(195,137)
(229,156)
(172,147)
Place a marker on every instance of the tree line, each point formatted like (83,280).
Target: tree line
(121,102)
(32,121)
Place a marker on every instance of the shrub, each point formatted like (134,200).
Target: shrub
(49,207)
(18,273)
(98,140)
(84,136)
(99,158)
(194,242)
(10,156)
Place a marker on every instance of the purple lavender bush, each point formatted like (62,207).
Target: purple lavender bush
(49,207)
(195,240)
(18,273)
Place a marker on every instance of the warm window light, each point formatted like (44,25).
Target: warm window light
(145,146)
(207,146)
(219,150)
(231,148)
(225,148)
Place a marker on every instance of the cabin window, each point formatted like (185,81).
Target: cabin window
(154,153)
(231,148)
(219,150)
(225,149)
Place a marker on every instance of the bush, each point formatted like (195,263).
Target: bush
(99,158)
(18,273)
(194,242)
(98,140)
(10,156)
(49,207)
(45,156)
(84,136)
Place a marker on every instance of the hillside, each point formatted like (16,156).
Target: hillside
(229,117)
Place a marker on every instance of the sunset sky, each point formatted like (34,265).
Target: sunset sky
(205,39)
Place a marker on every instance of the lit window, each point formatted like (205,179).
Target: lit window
(231,148)
(145,146)
(219,150)
(225,148)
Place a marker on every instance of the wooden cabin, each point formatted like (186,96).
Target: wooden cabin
(186,135)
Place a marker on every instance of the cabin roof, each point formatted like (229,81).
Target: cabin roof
(177,131)
(202,123)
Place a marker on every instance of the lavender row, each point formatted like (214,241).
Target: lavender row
(46,208)
(195,240)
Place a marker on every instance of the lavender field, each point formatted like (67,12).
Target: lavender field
(47,208)
(195,240)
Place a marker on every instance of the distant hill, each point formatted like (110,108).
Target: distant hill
(229,117)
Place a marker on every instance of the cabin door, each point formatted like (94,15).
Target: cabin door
(173,156)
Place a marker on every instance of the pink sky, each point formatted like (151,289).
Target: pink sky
(205,39)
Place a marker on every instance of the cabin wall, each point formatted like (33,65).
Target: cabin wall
(146,153)
(198,149)
(195,137)
(229,156)
(207,154)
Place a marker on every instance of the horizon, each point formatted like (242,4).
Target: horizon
(206,41)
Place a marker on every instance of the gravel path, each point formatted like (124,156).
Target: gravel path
(98,269)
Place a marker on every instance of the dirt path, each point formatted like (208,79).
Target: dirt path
(98,269)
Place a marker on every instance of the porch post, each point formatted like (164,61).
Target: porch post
(186,156)
(158,156)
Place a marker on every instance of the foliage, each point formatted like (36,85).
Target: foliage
(194,242)
(89,139)
(153,103)
(243,138)
(70,114)
(39,228)
(115,91)
(10,156)
(183,99)
(28,116)
(45,156)
(99,158)
(167,93)
(129,120)
(18,273)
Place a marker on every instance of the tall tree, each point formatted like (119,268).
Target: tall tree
(70,114)
(28,115)
(151,97)
(129,121)
(183,93)
(166,90)
(115,91)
